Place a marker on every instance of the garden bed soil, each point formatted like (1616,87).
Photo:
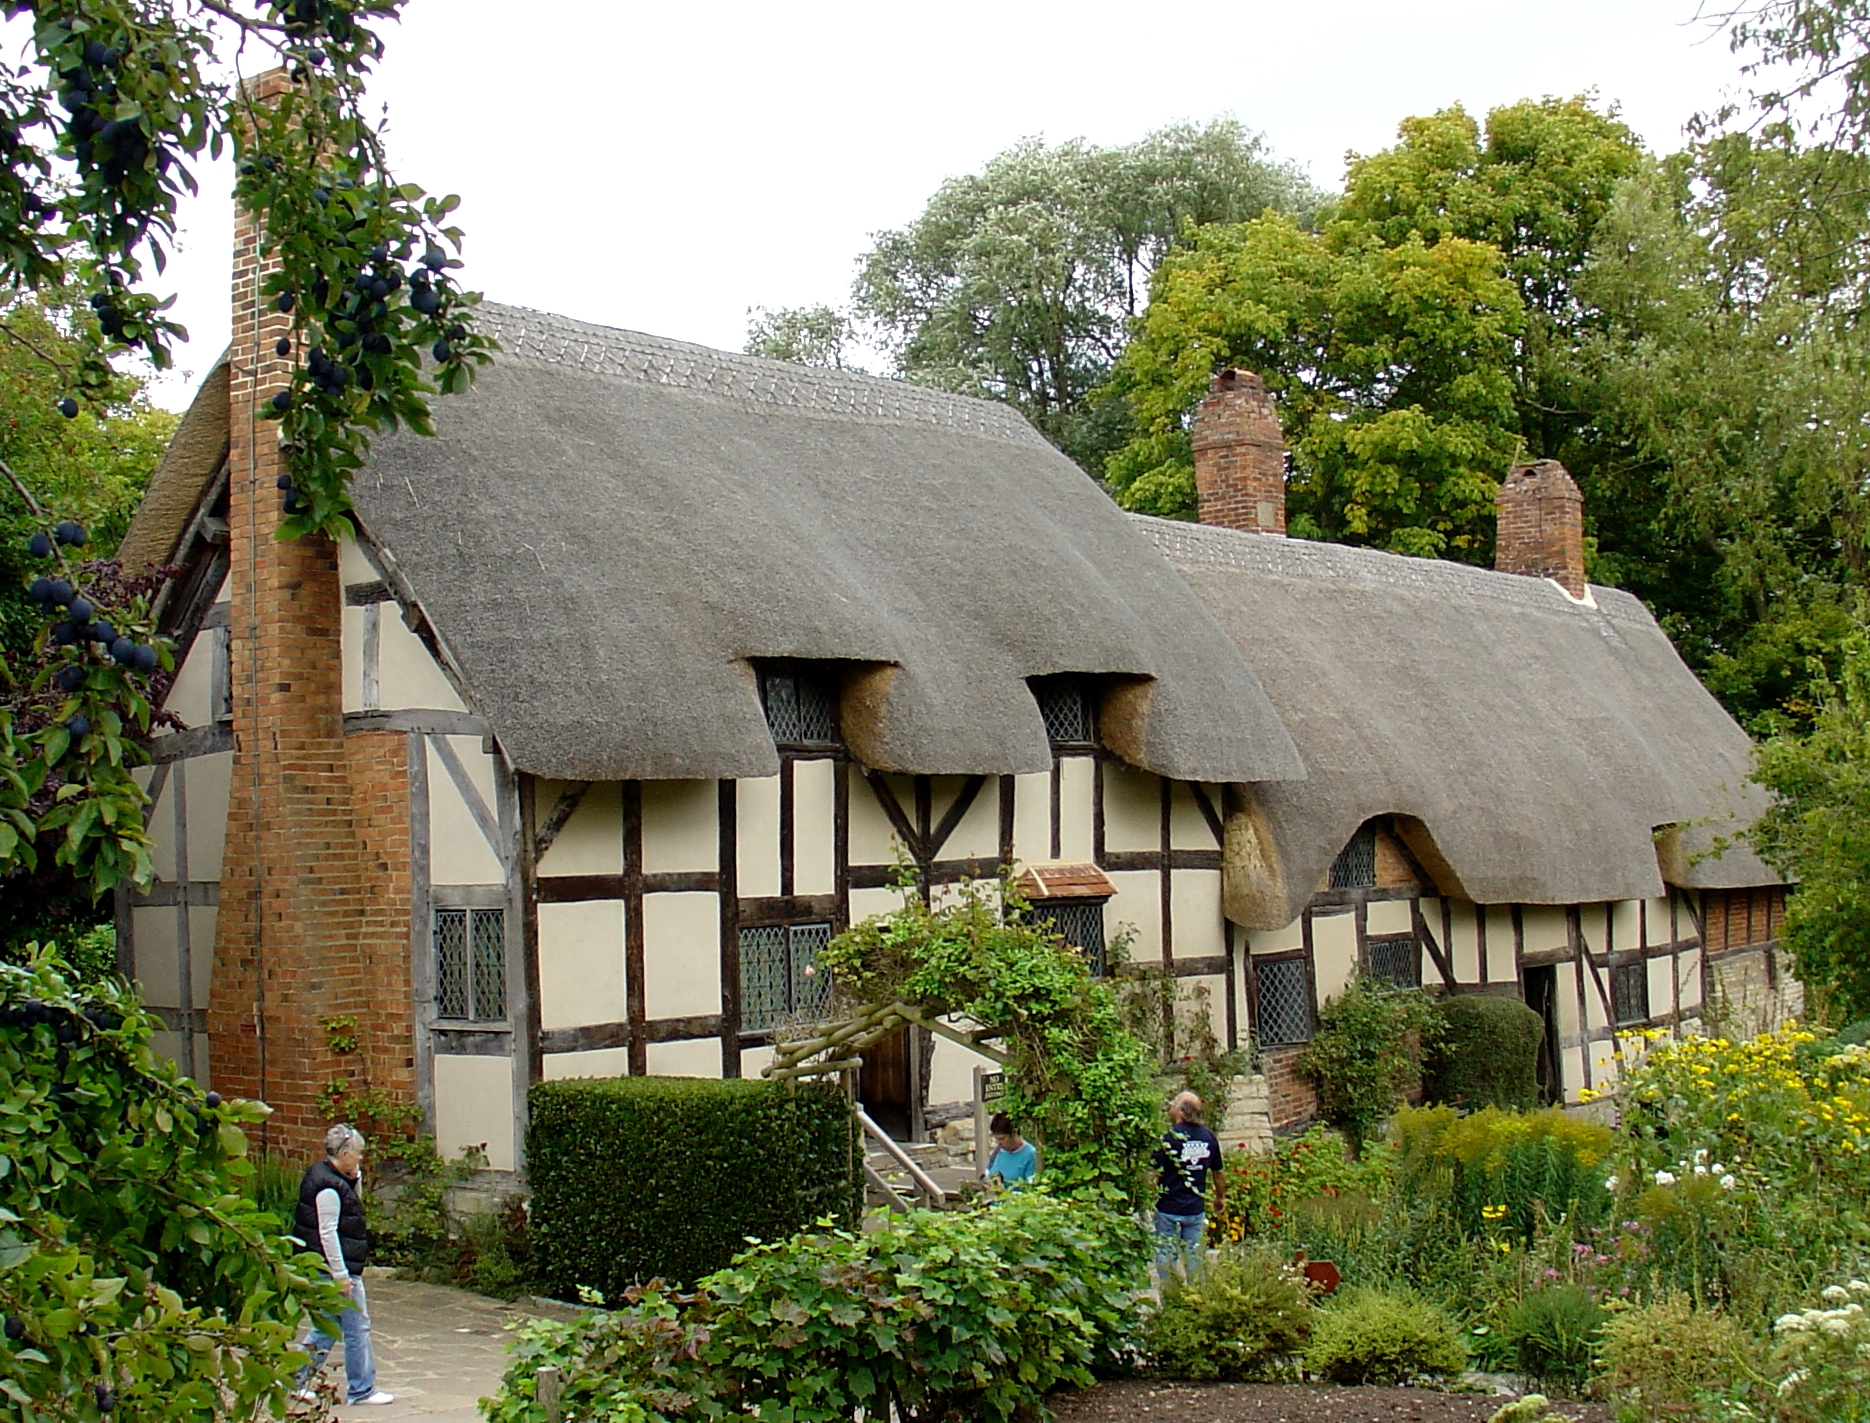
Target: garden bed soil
(1163,1402)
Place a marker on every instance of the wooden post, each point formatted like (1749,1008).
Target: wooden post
(546,1384)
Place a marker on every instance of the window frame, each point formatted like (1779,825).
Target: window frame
(1623,972)
(1046,910)
(477,909)
(1347,860)
(1073,684)
(826,682)
(1414,945)
(789,929)
(1256,965)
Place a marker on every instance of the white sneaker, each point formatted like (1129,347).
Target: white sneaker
(304,1395)
(378,1397)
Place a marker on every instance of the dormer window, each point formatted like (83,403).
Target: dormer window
(801,705)
(1065,703)
(1356,864)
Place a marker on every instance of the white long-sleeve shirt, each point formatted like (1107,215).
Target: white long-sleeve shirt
(327,1203)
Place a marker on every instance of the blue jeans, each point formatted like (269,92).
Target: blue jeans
(1184,1236)
(360,1369)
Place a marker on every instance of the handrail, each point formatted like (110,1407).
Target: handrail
(924,1182)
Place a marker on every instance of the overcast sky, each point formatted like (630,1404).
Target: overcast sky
(666,167)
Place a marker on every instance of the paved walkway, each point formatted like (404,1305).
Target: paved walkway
(439,1350)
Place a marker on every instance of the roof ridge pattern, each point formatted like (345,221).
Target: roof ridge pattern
(545,338)
(1249,552)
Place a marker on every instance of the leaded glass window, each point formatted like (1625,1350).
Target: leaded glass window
(1356,864)
(801,709)
(1080,923)
(780,980)
(1629,992)
(1284,1000)
(1394,959)
(470,964)
(1065,703)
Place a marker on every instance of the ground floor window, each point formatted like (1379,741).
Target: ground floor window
(470,964)
(779,976)
(1629,992)
(1080,923)
(1395,959)
(1282,991)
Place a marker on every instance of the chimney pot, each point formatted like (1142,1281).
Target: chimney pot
(1541,525)
(1240,456)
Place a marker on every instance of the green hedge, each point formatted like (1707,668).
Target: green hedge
(1487,1055)
(635,1178)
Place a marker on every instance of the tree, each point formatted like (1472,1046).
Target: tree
(1825,44)
(1391,363)
(807,335)
(1016,283)
(138,1278)
(1818,830)
(99,124)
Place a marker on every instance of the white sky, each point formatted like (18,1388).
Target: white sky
(666,167)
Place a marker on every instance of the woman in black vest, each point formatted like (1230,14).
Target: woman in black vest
(330,1221)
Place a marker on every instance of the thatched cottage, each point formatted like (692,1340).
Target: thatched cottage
(644,674)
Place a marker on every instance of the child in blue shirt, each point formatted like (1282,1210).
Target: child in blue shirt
(1014,1159)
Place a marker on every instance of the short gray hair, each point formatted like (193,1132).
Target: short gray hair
(341,1136)
(1189,1105)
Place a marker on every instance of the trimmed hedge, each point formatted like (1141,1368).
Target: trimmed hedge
(1487,1055)
(639,1178)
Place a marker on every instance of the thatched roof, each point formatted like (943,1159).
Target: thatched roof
(610,525)
(1531,744)
(194,453)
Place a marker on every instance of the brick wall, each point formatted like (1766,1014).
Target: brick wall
(314,894)
(1240,456)
(1737,917)
(1541,525)
(1393,868)
(1291,1100)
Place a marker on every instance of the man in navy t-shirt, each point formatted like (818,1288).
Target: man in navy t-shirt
(1187,1153)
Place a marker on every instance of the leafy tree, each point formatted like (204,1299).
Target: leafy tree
(1818,830)
(807,335)
(1825,44)
(1391,363)
(113,101)
(1016,283)
(138,1280)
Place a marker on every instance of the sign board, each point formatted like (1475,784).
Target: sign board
(992,1086)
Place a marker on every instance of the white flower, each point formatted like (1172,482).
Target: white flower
(1665,1178)
(1700,1170)
(1789,1324)
(1792,1381)
(1727,1182)
(1858,1287)
(1837,1328)
(1717,1168)
(1610,1184)
(1701,1156)
(1836,1294)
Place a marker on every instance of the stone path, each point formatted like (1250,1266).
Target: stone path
(439,1350)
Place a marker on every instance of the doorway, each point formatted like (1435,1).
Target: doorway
(886,1084)
(1542,997)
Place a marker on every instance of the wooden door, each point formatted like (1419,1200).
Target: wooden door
(1542,998)
(886,1085)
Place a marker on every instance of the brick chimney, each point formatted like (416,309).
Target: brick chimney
(1240,456)
(1541,525)
(300,935)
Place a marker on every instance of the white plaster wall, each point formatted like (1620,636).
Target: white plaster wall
(814,827)
(1568,999)
(1198,926)
(1661,987)
(681,954)
(407,677)
(1334,952)
(158,955)
(1188,827)
(698,1057)
(757,836)
(208,780)
(1545,930)
(591,842)
(1688,966)
(1389,916)
(474,1105)
(164,1043)
(753,1059)
(1463,946)
(190,697)
(1431,916)
(581,964)
(681,826)
(1500,966)
(873,838)
(977,837)
(354,565)
(1659,929)
(201,921)
(1032,817)
(1075,777)
(1627,923)
(1137,905)
(599,1062)
(351,639)
(1132,808)
(1592,923)
(458,851)
(1274,941)
(951,1072)
(160,818)
(868,903)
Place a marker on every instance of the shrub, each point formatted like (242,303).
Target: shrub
(1554,1333)
(1855,1034)
(1259,1191)
(934,1316)
(1664,1359)
(1498,1172)
(1487,1054)
(1241,1318)
(666,1177)
(1372,1337)
(1823,1359)
(1367,1053)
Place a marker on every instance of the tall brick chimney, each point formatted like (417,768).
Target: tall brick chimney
(298,924)
(1240,456)
(1541,525)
